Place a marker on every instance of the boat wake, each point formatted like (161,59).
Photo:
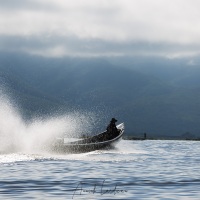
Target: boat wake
(125,151)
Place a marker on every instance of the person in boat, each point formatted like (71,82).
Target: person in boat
(111,128)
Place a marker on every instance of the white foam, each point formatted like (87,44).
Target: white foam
(10,158)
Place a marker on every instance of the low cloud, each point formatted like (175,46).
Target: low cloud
(99,27)
(73,46)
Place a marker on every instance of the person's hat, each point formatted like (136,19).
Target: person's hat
(113,120)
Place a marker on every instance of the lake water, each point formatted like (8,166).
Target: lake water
(134,170)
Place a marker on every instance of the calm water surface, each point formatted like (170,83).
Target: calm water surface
(134,170)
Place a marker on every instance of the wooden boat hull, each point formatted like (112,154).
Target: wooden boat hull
(100,141)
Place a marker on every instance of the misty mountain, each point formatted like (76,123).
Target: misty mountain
(180,72)
(148,98)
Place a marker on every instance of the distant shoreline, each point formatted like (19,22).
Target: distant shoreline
(159,138)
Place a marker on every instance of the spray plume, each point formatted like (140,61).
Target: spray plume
(17,135)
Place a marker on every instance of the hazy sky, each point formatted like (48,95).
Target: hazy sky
(101,27)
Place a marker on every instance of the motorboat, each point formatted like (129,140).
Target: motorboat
(104,140)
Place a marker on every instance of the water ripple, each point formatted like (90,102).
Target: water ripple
(135,170)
